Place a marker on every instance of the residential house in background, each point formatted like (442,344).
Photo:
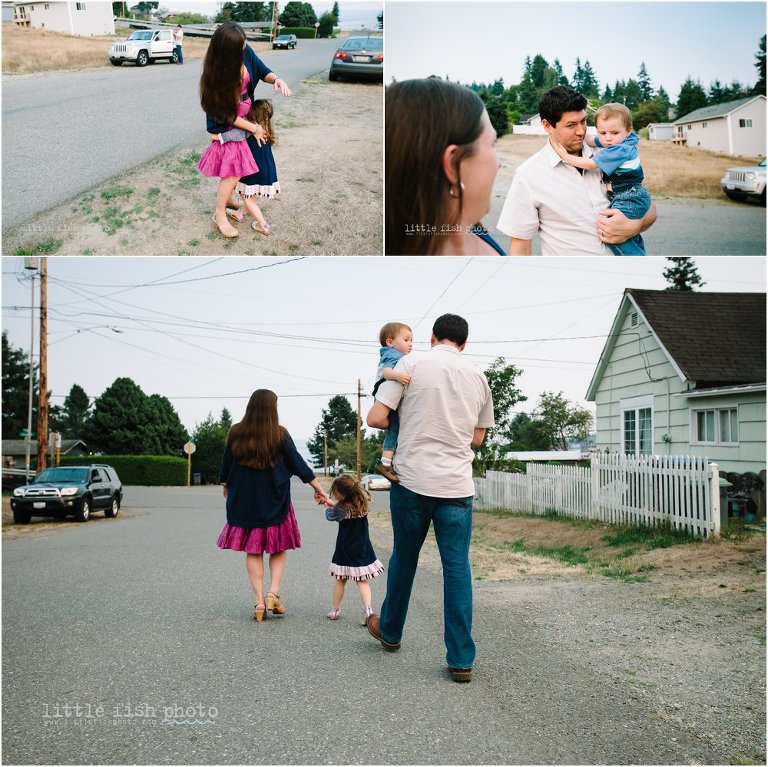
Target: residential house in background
(87,18)
(735,127)
(660,131)
(15,451)
(683,373)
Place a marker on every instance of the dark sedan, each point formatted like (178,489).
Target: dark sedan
(359,57)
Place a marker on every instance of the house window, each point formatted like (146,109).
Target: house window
(46,7)
(703,125)
(80,6)
(745,122)
(637,425)
(716,426)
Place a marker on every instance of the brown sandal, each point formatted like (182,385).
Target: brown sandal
(227,230)
(259,612)
(274,604)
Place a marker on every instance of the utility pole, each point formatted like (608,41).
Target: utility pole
(42,409)
(359,427)
(325,453)
(31,265)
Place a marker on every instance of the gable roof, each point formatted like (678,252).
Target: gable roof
(710,339)
(716,110)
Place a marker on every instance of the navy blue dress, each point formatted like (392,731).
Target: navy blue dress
(354,556)
(264,183)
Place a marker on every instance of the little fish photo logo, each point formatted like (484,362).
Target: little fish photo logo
(126,714)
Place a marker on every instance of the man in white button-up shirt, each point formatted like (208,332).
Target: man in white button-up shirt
(444,412)
(566,205)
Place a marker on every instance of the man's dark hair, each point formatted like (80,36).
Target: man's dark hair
(451,327)
(554,103)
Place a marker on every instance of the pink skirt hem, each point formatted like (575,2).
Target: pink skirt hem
(262,540)
(227,160)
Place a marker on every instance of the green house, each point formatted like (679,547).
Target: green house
(683,373)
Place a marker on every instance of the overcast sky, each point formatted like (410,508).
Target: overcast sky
(207,332)
(484,41)
(352,13)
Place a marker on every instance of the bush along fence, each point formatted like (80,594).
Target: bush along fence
(681,491)
(148,470)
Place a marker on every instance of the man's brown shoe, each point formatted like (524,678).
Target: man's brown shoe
(387,471)
(460,674)
(373,630)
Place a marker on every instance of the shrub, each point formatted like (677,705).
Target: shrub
(306,33)
(147,470)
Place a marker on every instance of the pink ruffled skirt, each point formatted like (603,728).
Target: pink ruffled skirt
(226,160)
(262,540)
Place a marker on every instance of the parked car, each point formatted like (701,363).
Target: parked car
(69,491)
(284,41)
(361,57)
(144,46)
(375,482)
(745,181)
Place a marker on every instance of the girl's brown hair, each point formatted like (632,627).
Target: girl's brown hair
(423,118)
(354,497)
(261,113)
(221,80)
(257,441)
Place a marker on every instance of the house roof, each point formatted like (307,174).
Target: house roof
(711,339)
(19,446)
(716,110)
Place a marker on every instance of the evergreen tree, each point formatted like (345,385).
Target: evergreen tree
(561,78)
(497,113)
(736,91)
(244,12)
(682,274)
(527,433)
(618,91)
(662,99)
(226,419)
(644,81)
(717,93)
(760,66)
(16,391)
(527,95)
(210,439)
(691,98)
(632,94)
(380,20)
(538,66)
(297,14)
(338,420)
(325,29)
(71,419)
(168,434)
(578,76)
(590,87)
(335,13)
(607,96)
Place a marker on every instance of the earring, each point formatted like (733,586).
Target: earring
(461,190)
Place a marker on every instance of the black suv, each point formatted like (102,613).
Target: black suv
(68,490)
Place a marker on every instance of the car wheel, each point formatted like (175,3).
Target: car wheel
(142,59)
(83,514)
(114,507)
(175,58)
(21,517)
(115,63)
(734,195)
(762,198)
(332,76)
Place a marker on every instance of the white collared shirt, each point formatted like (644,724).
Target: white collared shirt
(439,410)
(558,201)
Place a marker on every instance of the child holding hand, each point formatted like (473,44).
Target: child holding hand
(354,556)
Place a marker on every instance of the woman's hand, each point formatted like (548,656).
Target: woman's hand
(282,87)
(259,135)
(224,489)
(322,499)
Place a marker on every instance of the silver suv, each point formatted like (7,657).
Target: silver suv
(743,182)
(143,46)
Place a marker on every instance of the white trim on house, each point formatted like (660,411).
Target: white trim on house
(635,405)
(716,425)
(718,391)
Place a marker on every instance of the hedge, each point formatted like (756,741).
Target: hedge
(303,33)
(148,470)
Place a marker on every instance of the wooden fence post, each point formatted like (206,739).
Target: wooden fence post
(714,497)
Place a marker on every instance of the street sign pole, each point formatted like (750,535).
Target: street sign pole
(189,448)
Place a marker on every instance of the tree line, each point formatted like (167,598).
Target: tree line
(510,105)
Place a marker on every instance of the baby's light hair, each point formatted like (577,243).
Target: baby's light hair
(390,330)
(607,111)
(355,497)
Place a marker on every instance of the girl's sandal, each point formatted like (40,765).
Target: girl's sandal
(266,229)
(259,612)
(274,604)
(227,230)
(334,614)
(236,215)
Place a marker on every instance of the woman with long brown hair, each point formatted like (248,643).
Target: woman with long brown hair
(259,461)
(440,165)
(231,71)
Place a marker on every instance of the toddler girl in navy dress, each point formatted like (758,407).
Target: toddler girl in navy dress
(354,556)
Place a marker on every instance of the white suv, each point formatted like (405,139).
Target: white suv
(743,182)
(143,46)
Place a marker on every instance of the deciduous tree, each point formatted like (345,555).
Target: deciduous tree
(16,390)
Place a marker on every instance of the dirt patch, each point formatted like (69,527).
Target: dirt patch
(330,202)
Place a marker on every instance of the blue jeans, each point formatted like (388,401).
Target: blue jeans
(452,519)
(393,430)
(179,54)
(633,203)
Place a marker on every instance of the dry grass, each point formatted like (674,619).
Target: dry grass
(670,171)
(27,50)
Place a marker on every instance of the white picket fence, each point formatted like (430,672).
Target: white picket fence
(623,490)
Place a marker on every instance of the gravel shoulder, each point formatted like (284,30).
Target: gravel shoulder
(330,202)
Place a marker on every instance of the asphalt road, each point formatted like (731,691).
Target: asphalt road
(683,228)
(131,642)
(64,132)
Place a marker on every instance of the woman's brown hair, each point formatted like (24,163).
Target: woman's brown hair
(261,113)
(354,497)
(257,441)
(423,118)
(221,80)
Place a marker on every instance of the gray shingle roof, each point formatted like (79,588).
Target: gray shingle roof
(717,110)
(19,446)
(716,339)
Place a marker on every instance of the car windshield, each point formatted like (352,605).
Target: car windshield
(284,37)
(363,44)
(141,36)
(62,475)
(762,164)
